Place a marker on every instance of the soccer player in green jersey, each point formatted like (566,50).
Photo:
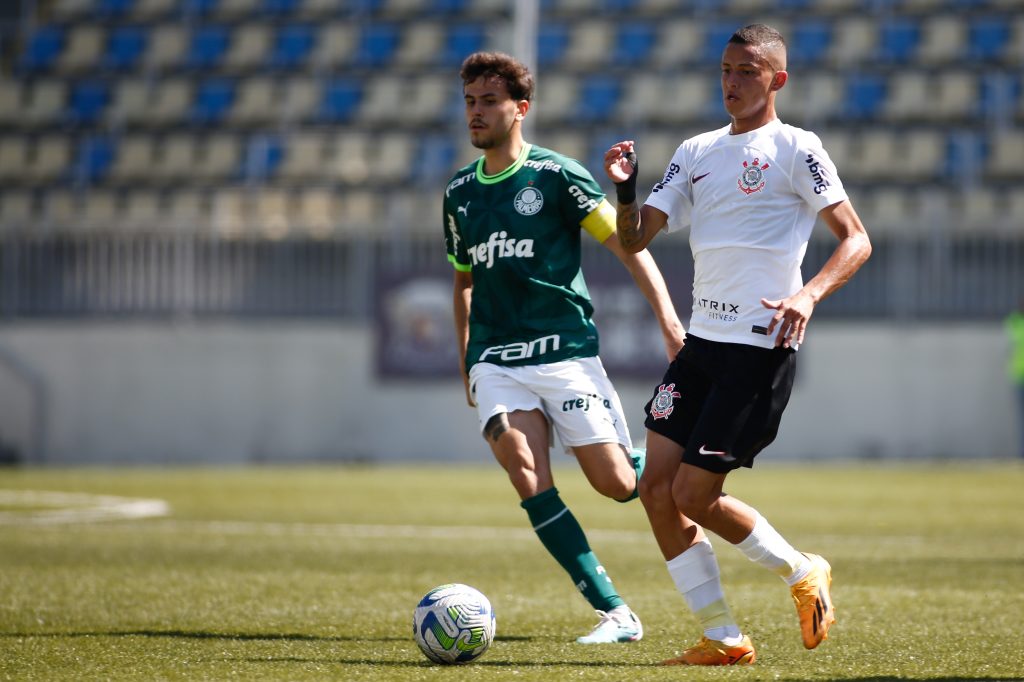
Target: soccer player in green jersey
(513,221)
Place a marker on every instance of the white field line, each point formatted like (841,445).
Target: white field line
(48,507)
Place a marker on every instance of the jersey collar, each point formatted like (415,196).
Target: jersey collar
(485,179)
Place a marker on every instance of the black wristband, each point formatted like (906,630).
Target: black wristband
(625,191)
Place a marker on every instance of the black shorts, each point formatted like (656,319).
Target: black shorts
(722,402)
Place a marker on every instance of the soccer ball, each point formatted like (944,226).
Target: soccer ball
(453,623)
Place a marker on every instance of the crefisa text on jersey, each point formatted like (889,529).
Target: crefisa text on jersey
(499,246)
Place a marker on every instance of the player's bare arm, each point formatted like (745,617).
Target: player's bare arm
(635,226)
(854,248)
(648,278)
(462,296)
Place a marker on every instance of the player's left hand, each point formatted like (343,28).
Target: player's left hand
(791,317)
(674,337)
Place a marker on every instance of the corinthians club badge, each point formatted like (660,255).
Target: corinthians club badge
(752,178)
(661,405)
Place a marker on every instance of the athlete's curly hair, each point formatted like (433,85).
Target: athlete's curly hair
(518,79)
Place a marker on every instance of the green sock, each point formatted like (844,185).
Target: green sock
(561,534)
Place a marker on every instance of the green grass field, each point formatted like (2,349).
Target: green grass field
(313,573)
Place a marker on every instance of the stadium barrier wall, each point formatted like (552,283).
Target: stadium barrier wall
(147,393)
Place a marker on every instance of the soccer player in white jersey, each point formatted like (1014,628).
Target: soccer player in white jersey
(513,222)
(750,193)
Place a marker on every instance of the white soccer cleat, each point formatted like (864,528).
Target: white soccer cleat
(615,628)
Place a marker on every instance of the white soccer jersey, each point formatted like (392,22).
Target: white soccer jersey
(751,201)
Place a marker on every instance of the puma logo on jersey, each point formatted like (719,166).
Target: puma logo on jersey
(464,210)
(498,245)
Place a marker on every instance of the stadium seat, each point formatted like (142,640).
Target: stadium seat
(421,44)
(61,210)
(168,45)
(335,46)
(263,154)
(176,159)
(715,35)
(83,50)
(235,10)
(12,94)
(316,212)
(129,103)
(461,41)
(18,210)
(229,212)
(393,158)
(810,98)
(148,11)
(249,48)
(114,9)
(402,9)
(171,103)
(377,45)
(125,46)
(837,144)
(213,99)
(349,158)
(133,161)
(864,97)
(301,97)
(303,159)
(198,8)
(590,44)
(14,152)
(271,213)
(359,211)
(555,99)
(49,161)
(99,210)
(187,211)
(809,41)
(257,103)
(633,43)
(69,11)
(44,103)
(552,42)
(999,93)
(219,159)
(292,46)
(341,99)
(42,49)
(987,39)
(676,43)
(207,46)
(283,9)
(93,156)
(87,101)
(689,98)
(854,41)
(922,156)
(141,211)
(599,96)
(1007,153)
(898,41)
(943,40)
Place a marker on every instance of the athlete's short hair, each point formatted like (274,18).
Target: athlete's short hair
(517,78)
(768,42)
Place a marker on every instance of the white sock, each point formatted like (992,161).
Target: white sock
(765,547)
(696,575)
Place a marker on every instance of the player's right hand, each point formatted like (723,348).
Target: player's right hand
(616,163)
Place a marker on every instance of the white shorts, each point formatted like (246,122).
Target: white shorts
(576,396)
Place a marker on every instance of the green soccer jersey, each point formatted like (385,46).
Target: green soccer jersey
(519,232)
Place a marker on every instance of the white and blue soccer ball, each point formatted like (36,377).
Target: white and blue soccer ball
(453,623)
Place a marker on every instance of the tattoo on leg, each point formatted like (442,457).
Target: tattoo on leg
(496,425)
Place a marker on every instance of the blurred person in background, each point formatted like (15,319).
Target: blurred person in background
(750,193)
(513,223)
(1015,330)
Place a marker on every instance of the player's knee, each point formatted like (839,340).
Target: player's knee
(691,504)
(617,487)
(655,493)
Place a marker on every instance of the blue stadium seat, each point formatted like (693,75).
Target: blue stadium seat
(987,38)
(125,46)
(212,100)
(598,98)
(865,95)
(809,41)
(263,155)
(552,40)
(93,157)
(87,101)
(716,35)
(1000,92)
(435,152)
(198,8)
(341,99)
(281,8)
(42,49)
(461,41)
(292,45)
(377,44)
(634,43)
(207,48)
(898,40)
(112,9)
